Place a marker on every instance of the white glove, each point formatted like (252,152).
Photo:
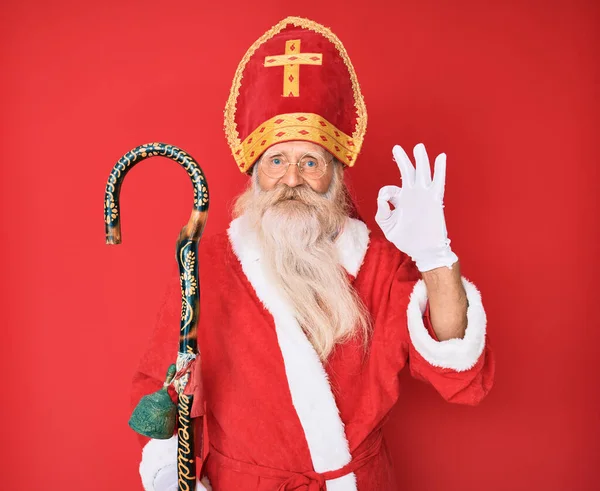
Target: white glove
(417,225)
(166,480)
(158,468)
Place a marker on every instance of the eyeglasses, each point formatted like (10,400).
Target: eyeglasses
(309,165)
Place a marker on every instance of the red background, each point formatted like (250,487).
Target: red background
(509,90)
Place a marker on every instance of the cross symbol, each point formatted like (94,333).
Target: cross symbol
(291,61)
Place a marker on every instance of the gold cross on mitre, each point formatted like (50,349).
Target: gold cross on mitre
(291,61)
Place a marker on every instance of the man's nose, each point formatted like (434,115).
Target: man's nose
(292,176)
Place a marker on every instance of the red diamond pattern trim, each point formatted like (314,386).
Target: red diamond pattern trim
(327,139)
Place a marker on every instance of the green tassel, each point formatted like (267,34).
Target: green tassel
(155,414)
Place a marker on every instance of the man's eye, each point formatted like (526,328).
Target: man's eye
(311,163)
(276,161)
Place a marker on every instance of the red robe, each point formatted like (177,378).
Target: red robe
(278,419)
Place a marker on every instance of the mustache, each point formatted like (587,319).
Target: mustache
(282,192)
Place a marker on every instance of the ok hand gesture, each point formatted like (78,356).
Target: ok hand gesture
(417,225)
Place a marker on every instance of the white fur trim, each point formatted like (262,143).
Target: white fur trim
(158,455)
(352,245)
(307,379)
(458,354)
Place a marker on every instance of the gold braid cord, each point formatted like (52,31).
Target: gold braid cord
(349,147)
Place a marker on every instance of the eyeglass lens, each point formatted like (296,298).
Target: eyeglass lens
(309,165)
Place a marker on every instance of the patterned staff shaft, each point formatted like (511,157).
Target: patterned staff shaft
(186,458)
(187,254)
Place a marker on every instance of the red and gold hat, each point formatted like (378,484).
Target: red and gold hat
(295,83)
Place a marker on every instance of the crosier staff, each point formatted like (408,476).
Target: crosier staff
(154,416)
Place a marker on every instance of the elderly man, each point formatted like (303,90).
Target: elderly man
(307,318)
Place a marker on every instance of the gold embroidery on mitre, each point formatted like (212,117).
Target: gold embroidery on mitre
(300,126)
(291,61)
(244,161)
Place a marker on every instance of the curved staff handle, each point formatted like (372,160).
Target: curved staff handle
(187,254)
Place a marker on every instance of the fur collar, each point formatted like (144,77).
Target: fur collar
(351,244)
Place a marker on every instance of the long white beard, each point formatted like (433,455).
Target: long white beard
(297,228)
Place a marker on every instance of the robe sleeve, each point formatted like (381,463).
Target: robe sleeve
(461,370)
(160,456)
(161,351)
